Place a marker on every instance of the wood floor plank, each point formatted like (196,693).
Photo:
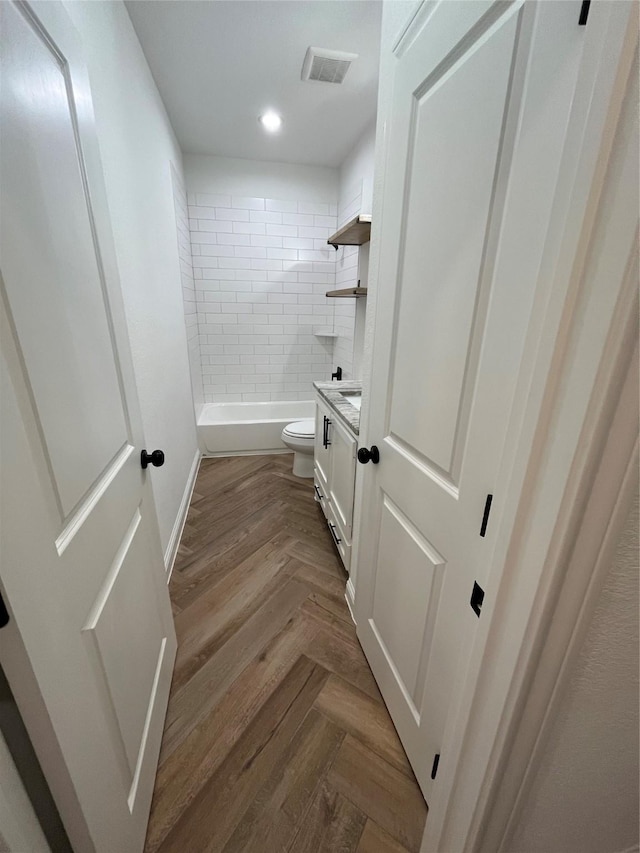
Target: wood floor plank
(326,583)
(214,561)
(281,805)
(366,719)
(325,617)
(212,817)
(324,558)
(375,840)
(184,771)
(211,537)
(333,824)
(202,692)
(204,627)
(276,738)
(241,498)
(383,793)
(343,656)
(331,607)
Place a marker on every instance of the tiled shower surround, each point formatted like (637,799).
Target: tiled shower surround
(188,287)
(261,270)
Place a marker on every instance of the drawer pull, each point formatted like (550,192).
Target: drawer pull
(334,535)
(319,494)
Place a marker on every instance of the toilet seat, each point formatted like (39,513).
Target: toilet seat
(301,430)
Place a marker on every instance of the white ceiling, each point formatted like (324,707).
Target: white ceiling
(219,64)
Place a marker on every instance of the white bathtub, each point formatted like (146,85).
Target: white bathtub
(225,428)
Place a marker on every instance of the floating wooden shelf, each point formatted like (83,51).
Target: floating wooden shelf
(354,292)
(356,232)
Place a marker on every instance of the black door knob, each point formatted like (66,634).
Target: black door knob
(156,458)
(365,455)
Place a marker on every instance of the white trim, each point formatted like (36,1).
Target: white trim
(349,597)
(178,527)
(596,503)
(587,571)
(223,453)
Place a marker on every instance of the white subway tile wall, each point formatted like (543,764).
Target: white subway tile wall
(188,287)
(261,269)
(349,205)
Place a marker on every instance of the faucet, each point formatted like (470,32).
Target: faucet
(338,374)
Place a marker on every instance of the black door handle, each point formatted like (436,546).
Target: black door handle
(156,458)
(365,455)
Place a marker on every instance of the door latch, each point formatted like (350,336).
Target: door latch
(434,766)
(477,597)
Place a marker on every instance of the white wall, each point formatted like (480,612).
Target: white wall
(357,171)
(261,268)
(189,300)
(584,798)
(137,145)
(352,262)
(257,178)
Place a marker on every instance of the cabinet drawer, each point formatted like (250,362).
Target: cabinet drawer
(321,491)
(341,542)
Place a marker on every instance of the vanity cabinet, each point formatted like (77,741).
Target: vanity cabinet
(334,476)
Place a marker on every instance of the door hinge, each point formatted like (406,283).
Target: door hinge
(4,613)
(485,515)
(434,766)
(584,13)
(477,597)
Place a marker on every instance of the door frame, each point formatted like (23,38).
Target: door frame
(556,442)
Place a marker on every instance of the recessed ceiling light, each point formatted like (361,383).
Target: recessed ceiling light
(271,121)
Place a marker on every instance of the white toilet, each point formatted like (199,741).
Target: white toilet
(300,436)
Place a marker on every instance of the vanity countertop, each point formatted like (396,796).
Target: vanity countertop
(331,394)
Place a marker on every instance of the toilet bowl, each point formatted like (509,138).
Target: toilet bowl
(300,437)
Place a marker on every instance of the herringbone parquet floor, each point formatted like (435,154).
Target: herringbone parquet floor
(276,737)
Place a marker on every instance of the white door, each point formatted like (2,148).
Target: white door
(475,126)
(90,644)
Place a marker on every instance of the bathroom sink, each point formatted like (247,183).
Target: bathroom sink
(353,397)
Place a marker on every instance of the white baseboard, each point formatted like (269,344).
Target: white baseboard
(222,453)
(350,595)
(176,533)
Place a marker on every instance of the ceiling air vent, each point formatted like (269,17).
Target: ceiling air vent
(326,66)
